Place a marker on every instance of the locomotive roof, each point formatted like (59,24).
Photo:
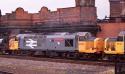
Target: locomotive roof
(60,36)
(122,33)
(84,33)
(28,35)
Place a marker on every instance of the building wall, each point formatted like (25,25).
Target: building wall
(18,17)
(86,3)
(110,29)
(61,16)
(117,11)
(88,14)
(123,7)
(117,8)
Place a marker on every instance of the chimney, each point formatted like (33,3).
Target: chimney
(85,3)
(123,7)
(115,8)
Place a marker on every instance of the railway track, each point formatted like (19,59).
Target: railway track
(61,60)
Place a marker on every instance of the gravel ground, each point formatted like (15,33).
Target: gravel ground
(17,66)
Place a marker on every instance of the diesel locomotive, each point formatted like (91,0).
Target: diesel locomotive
(79,44)
(62,44)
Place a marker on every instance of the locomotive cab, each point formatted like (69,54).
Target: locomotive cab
(13,43)
(110,46)
(115,46)
(86,43)
(120,45)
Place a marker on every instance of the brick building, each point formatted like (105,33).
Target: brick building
(112,26)
(84,12)
(85,3)
(117,8)
(110,29)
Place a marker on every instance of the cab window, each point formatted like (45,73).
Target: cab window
(81,38)
(120,38)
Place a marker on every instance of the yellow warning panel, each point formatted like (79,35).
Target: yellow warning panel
(13,44)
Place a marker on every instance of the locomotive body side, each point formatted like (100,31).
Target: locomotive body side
(33,42)
(38,42)
(63,43)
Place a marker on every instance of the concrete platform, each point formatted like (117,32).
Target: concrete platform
(17,66)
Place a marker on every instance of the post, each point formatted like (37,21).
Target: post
(0,17)
(124,42)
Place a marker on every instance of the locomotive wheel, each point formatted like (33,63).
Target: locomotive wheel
(13,52)
(72,55)
(24,53)
(53,54)
(64,55)
(5,52)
